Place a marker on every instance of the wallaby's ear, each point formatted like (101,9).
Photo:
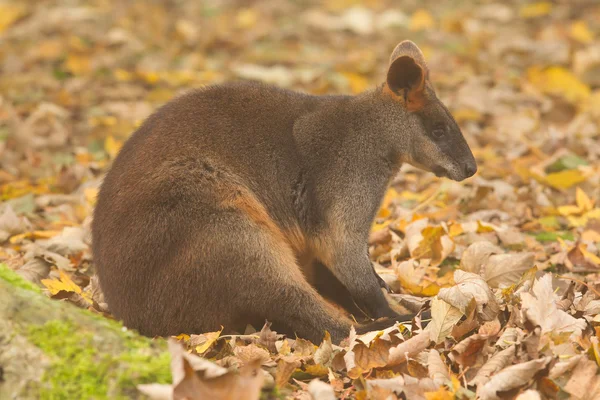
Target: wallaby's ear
(407,74)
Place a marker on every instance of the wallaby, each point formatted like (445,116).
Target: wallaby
(239,203)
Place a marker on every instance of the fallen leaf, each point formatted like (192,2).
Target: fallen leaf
(411,347)
(469,286)
(443,319)
(511,378)
(502,270)
(540,308)
(477,255)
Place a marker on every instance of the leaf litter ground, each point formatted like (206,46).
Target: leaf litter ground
(508,261)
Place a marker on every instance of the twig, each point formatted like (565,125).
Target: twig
(580,282)
(428,200)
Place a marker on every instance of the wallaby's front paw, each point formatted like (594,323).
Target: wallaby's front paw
(377,306)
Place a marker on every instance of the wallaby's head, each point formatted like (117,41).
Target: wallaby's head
(428,137)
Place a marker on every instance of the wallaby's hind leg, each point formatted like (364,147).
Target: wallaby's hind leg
(256,275)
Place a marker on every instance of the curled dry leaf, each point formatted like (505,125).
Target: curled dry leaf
(428,242)
(204,341)
(70,241)
(409,348)
(35,270)
(540,308)
(469,286)
(412,388)
(584,382)
(437,370)
(195,378)
(11,224)
(477,255)
(285,368)
(512,377)
(503,270)
(493,365)
(320,390)
(444,318)
(529,395)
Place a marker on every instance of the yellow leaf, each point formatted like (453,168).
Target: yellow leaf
(183,337)
(583,201)
(246,18)
(209,339)
(421,20)
(64,283)
(558,81)
(390,195)
(78,64)
(577,221)
(568,210)
(590,256)
(9,14)
(316,370)
(581,32)
(467,114)
(594,214)
(455,230)
(112,146)
(377,227)
(90,194)
(565,179)
(441,394)
(122,75)
(431,238)
(149,76)
(483,227)
(357,82)
(535,9)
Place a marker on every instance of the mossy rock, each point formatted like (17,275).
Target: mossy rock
(54,350)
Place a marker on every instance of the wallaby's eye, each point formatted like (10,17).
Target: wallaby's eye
(439,132)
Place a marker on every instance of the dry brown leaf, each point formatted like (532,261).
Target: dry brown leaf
(409,348)
(540,308)
(361,358)
(511,378)
(529,395)
(268,338)
(469,286)
(34,270)
(444,318)
(498,361)
(285,368)
(467,351)
(477,255)
(584,383)
(204,341)
(503,270)
(324,353)
(251,353)
(11,224)
(320,390)
(437,370)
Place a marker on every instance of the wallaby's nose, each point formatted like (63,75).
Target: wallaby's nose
(470,169)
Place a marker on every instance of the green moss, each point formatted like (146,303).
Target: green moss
(80,369)
(16,280)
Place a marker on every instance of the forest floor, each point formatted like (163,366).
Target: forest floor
(509,260)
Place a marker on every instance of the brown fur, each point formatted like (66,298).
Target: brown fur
(241,203)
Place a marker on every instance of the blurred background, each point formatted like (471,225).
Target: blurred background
(76,77)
